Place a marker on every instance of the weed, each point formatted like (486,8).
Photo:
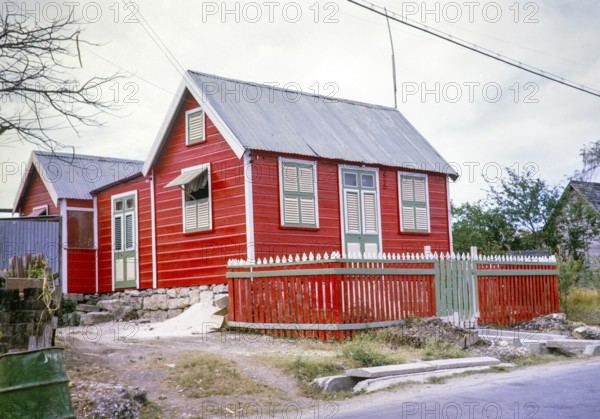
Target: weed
(203,374)
(584,305)
(441,349)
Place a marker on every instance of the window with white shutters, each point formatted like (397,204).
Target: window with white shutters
(298,194)
(194,126)
(197,216)
(414,209)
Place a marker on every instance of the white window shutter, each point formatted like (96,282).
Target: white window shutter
(203,215)
(352,211)
(191,215)
(291,211)
(195,127)
(407,189)
(370,212)
(290,178)
(420,194)
(421,218)
(306,179)
(307,206)
(408,218)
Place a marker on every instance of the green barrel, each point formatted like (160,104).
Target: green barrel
(34,384)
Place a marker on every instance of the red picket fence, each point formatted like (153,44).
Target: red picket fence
(329,298)
(333,298)
(510,291)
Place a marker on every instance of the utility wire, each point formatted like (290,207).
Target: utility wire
(475,48)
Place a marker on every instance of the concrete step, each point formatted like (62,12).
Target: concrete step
(529,336)
(419,367)
(375,384)
(575,346)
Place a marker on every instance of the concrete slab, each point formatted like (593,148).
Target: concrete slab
(518,334)
(443,364)
(419,367)
(375,384)
(570,343)
(592,350)
(391,370)
(335,383)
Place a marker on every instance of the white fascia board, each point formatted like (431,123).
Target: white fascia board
(189,84)
(34,162)
(216,119)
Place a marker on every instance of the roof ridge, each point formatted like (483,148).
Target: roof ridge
(302,92)
(84,156)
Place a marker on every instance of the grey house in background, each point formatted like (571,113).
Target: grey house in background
(589,194)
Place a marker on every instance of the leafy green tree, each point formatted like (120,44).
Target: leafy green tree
(527,203)
(511,217)
(477,225)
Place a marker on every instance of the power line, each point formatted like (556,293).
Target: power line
(475,48)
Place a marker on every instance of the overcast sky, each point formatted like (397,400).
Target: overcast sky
(480,114)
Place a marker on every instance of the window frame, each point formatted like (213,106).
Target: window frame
(188,142)
(425,177)
(298,163)
(209,198)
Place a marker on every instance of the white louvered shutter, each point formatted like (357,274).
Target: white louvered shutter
(191,215)
(408,218)
(307,206)
(306,179)
(290,178)
(421,218)
(420,195)
(370,212)
(298,190)
(203,215)
(291,211)
(352,212)
(413,193)
(407,189)
(195,127)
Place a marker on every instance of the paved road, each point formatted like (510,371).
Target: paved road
(552,391)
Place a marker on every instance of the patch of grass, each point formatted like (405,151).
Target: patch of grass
(583,305)
(305,369)
(366,351)
(151,410)
(441,349)
(437,380)
(203,374)
(533,359)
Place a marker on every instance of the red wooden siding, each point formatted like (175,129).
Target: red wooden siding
(144,229)
(272,239)
(401,242)
(185,259)
(80,203)
(81,270)
(37,195)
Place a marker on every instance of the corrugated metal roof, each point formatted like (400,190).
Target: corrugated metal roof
(73,176)
(590,191)
(272,119)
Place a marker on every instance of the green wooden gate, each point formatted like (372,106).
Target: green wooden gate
(456,290)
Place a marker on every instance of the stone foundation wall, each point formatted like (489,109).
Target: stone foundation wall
(153,304)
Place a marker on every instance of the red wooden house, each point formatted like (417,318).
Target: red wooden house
(243,170)
(59,184)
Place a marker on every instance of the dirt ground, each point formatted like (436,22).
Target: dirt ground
(103,359)
(118,370)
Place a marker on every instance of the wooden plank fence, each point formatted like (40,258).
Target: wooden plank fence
(333,297)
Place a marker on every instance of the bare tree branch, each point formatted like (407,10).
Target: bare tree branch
(39,93)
